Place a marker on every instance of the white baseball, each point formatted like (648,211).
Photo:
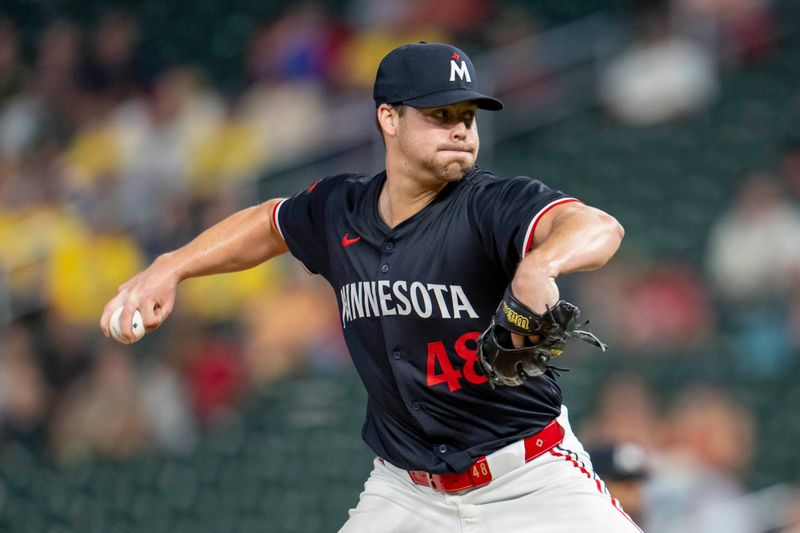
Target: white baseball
(116,330)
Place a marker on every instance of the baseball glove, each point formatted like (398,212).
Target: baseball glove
(506,365)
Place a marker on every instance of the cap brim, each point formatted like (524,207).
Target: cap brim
(455,96)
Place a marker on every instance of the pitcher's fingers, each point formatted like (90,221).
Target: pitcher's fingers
(124,320)
(164,311)
(112,305)
(518,341)
(151,314)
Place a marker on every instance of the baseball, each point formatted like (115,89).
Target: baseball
(116,330)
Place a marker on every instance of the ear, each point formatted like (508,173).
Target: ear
(387,118)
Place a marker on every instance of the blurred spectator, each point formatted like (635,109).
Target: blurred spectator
(28,236)
(215,377)
(698,474)
(196,368)
(461,19)
(794,315)
(742,30)
(602,290)
(753,247)
(24,393)
(57,61)
(43,115)
(102,413)
(65,349)
(114,66)
(790,168)
(93,157)
(12,71)
(792,516)
(302,45)
(84,270)
(660,308)
(227,162)
(754,261)
(292,329)
(167,407)
(511,23)
(222,300)
(300,112)
(61,107)
(138,160)
(625,411)
(159,136)
(662,76)
(665,309)
(153,149)
(382,26)
(624,469)
(166,394)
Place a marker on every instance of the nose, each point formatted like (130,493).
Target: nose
(459,131)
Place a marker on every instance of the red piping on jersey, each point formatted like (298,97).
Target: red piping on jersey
(538,217)
(274,218)
(614,501)
(276,226)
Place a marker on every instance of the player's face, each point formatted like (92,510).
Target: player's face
(442,141)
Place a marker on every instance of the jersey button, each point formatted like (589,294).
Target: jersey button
(442,448)
(385,269)
(388,246)
(396,354)
(415,406)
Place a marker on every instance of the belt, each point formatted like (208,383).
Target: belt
(494,465)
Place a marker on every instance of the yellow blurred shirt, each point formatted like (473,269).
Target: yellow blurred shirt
(232,154)
(363,54)
(94,152)
(27,239)
(221,297)
(86,271)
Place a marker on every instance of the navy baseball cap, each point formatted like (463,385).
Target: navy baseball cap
(429,75)
(624,461)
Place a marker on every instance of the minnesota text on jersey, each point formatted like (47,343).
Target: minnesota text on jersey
(364,299)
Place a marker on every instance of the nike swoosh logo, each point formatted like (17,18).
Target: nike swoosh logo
(347,241)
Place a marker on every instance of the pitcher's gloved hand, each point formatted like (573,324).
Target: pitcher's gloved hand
(506,365)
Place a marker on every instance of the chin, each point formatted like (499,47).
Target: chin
(456,165)
(453,172)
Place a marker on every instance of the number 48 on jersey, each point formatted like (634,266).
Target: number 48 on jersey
(441,370)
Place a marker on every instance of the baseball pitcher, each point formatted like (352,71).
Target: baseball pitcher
(446,281)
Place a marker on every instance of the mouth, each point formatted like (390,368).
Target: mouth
(466,150)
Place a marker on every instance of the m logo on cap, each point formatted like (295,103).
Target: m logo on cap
(460,70)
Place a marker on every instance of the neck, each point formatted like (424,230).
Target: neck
(404,194)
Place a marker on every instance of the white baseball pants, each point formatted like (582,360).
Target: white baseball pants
(556,492)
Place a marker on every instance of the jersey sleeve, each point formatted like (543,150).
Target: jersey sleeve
(300,219)
(508,212)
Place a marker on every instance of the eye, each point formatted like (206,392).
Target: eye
(441,114)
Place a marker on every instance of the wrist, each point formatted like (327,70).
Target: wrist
(534,284)
(172,265)
(532,273)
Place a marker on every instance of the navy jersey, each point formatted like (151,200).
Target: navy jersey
(413,300)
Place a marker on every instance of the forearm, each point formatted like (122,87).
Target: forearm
(241,241)
(578,239)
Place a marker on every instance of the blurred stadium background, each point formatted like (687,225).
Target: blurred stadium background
(126,127)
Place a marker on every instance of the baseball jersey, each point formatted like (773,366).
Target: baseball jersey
(413,300)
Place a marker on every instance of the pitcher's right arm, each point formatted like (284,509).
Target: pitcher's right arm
(243,240)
